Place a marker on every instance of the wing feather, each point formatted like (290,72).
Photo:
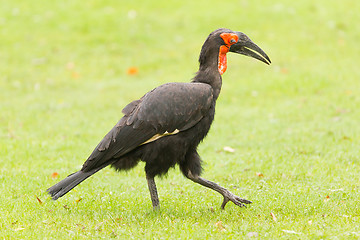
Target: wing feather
(165,109)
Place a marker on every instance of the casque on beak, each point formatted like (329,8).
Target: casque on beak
(247,47)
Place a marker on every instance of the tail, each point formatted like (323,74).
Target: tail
(71,181)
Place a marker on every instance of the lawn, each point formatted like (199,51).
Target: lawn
(69,67)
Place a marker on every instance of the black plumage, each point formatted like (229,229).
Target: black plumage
(165,126)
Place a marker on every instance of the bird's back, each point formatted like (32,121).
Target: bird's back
(172,107)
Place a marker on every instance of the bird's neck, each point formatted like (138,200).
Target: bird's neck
(209,71)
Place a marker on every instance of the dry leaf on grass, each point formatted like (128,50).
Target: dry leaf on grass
(220,226)
(18,229)
(70,65)
(290,231)
(273,216)
(39,200)
(228,149)
(336,190)
(75,75)
(132,71)
(54,175)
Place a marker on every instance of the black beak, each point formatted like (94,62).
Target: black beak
(247,47)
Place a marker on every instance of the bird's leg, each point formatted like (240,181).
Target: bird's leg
(153,192)
(228,196)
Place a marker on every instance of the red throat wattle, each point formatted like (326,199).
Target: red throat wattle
(229,39)
(222,65)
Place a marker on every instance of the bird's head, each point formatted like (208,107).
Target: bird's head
(223,40)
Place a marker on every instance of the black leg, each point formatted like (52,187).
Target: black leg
(228,196)
(153,192)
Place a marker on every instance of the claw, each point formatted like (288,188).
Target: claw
(228,196)
(243,200)
(235,199)
(224,203)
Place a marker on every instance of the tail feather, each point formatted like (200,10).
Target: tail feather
(71,181)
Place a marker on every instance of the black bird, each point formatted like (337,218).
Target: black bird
(165,126)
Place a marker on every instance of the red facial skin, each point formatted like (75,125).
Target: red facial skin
(229,39)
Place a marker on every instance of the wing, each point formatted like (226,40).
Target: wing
(167,108)
(172,106)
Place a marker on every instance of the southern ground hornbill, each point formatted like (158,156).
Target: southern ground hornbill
(165,126)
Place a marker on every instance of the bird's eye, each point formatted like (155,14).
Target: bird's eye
(229,38)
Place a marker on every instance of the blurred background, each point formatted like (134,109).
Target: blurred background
(67,68)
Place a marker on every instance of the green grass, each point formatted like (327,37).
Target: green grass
(64,81)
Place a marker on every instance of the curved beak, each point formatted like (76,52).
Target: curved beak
(247,47)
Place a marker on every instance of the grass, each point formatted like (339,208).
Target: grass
(294,125)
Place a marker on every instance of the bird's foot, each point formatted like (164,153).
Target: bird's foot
(228,196)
